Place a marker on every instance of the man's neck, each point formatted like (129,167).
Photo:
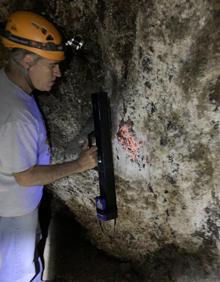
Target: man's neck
(19,79)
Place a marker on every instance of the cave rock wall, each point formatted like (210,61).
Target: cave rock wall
(159,63)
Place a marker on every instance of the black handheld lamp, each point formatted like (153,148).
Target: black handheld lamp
(106,206)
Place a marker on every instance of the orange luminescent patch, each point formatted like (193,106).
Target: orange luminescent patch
(126,137)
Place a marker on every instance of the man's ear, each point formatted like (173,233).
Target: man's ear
(27,61)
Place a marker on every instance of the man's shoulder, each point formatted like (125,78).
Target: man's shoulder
(15,104)
(15,113)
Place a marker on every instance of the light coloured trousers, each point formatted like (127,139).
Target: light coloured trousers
(18,239)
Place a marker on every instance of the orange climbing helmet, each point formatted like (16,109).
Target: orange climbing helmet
(32,32)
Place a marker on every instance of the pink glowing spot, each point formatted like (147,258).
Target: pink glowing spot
(126,137)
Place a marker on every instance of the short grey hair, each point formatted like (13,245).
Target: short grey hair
(17,54)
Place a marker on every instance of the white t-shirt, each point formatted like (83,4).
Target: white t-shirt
(23,144)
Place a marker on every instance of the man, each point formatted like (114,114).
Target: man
(35,53)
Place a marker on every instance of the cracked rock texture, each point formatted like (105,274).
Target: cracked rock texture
(159,61)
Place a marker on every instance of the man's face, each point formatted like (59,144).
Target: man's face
(43,74)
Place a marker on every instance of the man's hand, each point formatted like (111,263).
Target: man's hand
(87,159)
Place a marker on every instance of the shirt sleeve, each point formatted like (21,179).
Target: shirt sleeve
(18,146)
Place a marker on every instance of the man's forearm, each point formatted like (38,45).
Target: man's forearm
(46,174)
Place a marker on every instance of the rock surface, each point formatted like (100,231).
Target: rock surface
(159,62)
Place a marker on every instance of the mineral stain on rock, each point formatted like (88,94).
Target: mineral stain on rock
(127,138)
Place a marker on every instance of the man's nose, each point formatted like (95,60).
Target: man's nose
(57,71)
